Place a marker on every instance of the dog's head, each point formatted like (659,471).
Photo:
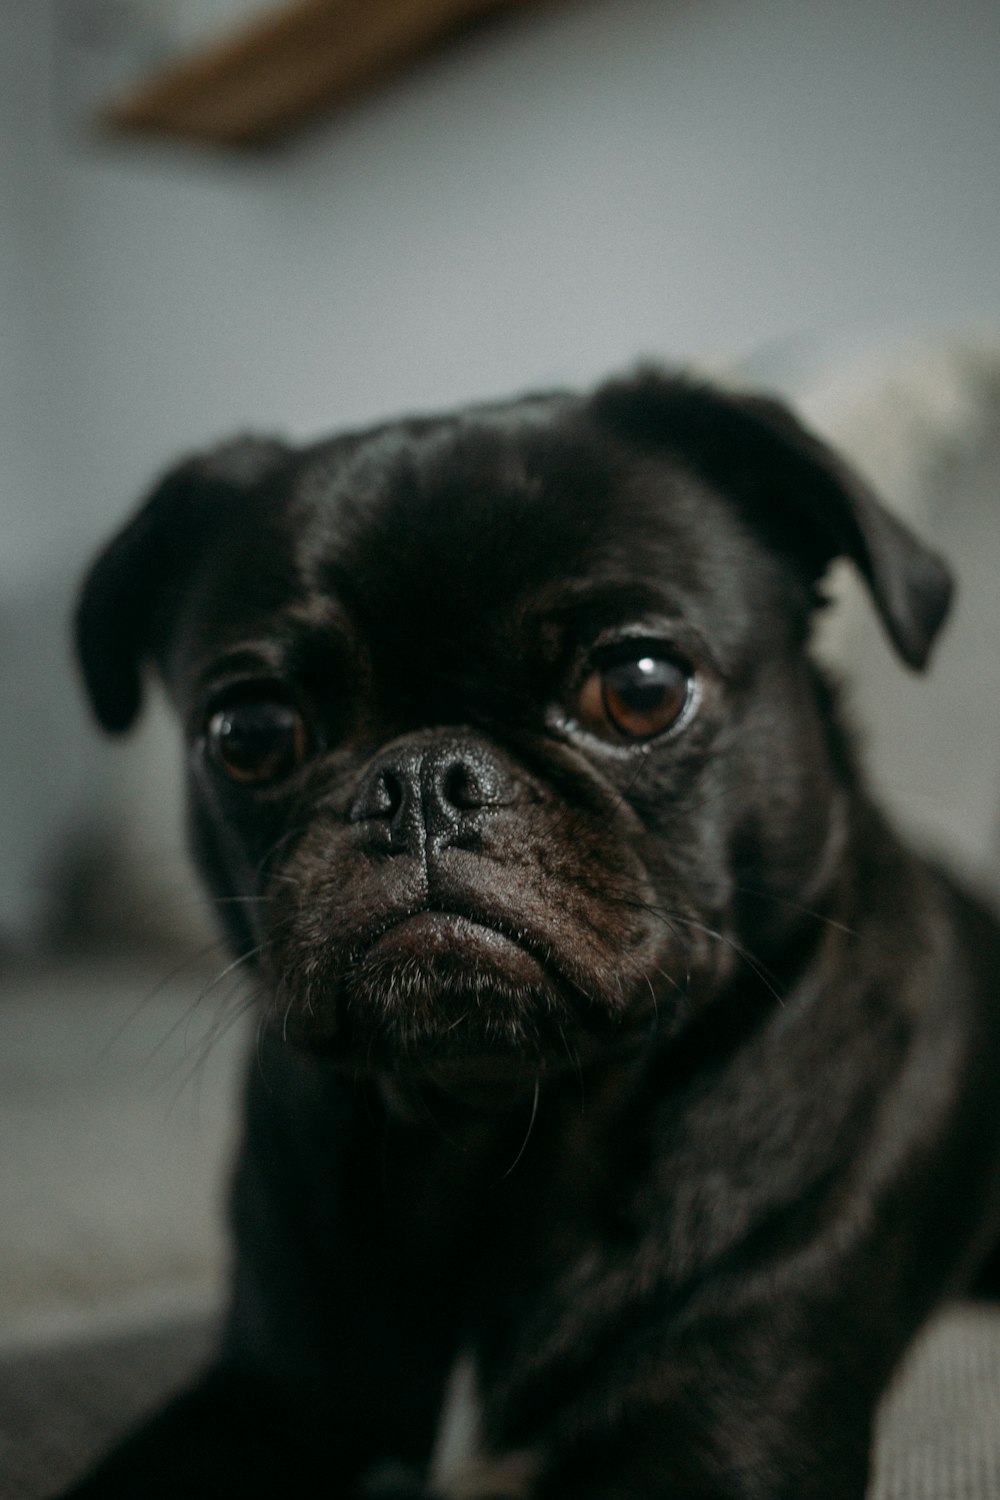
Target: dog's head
(503,742)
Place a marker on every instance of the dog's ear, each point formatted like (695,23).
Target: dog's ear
(132,589)
(809,502)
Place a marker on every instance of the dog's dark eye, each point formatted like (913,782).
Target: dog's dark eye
(258,739)
(636,697)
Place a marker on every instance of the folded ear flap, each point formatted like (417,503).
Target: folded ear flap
(132,589)
(806,499)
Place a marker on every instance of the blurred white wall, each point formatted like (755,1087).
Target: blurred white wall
(565,190)
(546,200)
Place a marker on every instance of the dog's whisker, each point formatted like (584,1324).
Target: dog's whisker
(805,911)
(527,1134)
(233,969)
(766,977)
(673,918)
(287,837)
(224,1023)
(184,1021)
(191,961)
(284,1020)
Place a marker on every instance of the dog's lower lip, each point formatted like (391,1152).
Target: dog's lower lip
(456,935)
(445,929)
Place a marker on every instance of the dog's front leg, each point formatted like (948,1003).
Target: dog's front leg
(651,1458)
(314,1376)
(683,1453)
(732,1409)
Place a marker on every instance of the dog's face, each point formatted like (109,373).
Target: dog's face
(503,743)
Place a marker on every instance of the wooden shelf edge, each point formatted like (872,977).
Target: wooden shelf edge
(286,69)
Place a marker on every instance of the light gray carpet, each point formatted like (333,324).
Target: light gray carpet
(940,1428)
(60,1407)
(939,1438)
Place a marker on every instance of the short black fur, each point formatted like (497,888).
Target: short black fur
(643,1082)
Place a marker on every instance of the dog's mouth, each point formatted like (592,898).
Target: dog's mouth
(454,981)
(462,937)
(442,980)
(536,942)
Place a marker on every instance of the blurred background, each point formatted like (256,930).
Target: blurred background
(801,195)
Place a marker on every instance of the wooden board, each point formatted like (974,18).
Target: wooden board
(286,69)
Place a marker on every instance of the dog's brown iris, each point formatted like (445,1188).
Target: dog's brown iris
(635,698)
(258,739)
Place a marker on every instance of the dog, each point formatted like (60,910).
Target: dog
(624,1095)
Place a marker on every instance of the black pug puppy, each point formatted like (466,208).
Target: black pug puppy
(625,1093)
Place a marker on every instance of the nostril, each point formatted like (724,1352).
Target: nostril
(381,796)
(459,780)
(389,794)
(460,786)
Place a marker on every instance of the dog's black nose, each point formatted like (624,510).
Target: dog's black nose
(421,795)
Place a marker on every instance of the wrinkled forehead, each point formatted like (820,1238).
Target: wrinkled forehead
(472,531)
(482,520)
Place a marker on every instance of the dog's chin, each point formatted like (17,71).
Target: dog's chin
(440,993)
